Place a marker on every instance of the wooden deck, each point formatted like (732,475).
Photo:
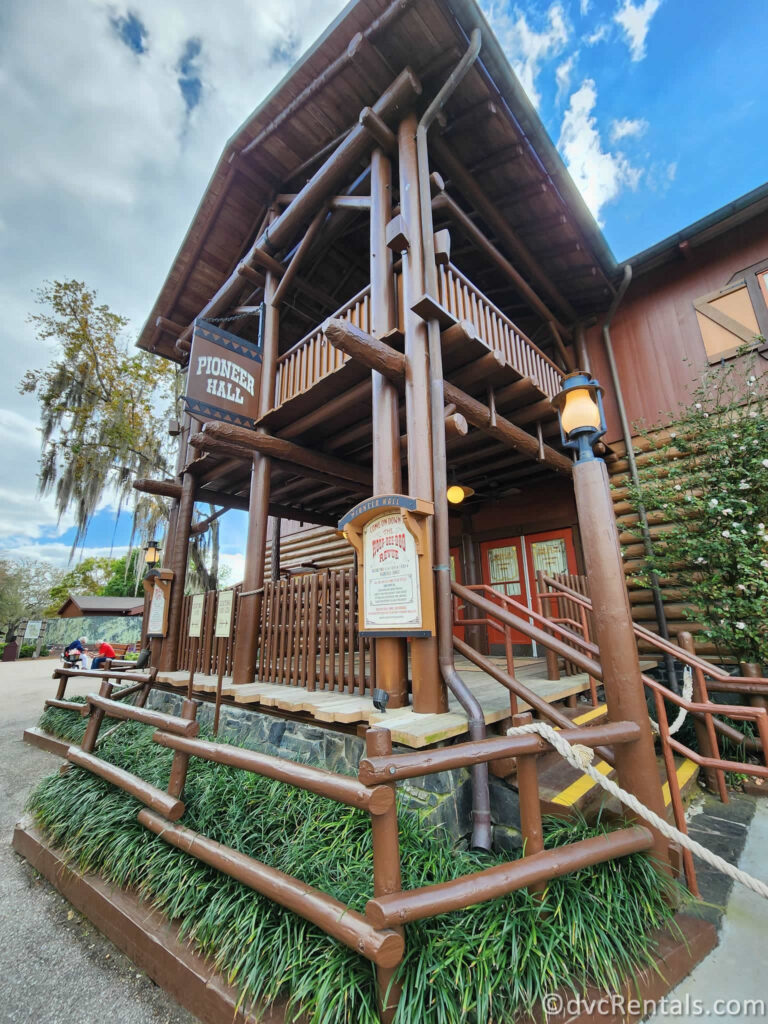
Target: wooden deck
(407,727)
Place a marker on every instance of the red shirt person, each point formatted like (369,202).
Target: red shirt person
(106,651)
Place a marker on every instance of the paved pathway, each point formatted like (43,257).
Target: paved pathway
(55,967)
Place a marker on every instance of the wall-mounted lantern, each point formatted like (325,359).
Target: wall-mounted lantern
(580,413)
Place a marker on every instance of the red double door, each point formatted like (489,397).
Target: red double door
(510,566)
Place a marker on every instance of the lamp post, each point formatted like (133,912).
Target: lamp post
(582,422)
(152,555)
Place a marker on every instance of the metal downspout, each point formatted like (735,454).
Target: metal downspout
(658,603)
(481,809)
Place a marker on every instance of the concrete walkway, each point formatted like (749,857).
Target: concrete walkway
(736,972)
(55,967)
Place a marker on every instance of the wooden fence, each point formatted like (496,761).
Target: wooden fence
(308,634)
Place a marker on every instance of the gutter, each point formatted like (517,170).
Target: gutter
(658,603)
(481,808)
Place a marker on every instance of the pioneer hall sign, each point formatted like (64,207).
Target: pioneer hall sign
(223,376)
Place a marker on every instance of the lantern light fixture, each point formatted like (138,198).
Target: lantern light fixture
(456,493)
(580,413)
(152,554)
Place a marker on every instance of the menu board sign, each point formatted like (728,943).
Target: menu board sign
(158,612)
(224,609)
(196,616)
(392,593)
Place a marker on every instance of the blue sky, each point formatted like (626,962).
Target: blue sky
(657,107)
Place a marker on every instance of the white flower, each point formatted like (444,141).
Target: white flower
(726,533)
(678,487)
(706,415)
(740,586)
(741,625)
(751,379)
(743,485)
(764,563)
(698,405)
(701,561)
(765,463)
(727,511)
(712,502)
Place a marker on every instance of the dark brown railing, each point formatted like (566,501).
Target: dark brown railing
(377,933)
(309,634)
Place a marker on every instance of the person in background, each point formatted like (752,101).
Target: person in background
(78,645)
(106,651)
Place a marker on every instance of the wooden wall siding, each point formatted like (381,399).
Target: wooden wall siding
(313,357)
(309,634)
(675,597)
(466,302)
(321,546)
(656,328)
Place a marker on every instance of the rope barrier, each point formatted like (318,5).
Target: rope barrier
(682,713)
(581,757)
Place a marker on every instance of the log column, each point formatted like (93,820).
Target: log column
(178,565)
(429,694)
(475,636)
(249,610)
(391,653)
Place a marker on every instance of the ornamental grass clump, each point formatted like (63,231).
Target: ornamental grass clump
(703,482)
(489,963)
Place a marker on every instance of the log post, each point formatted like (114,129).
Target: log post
(180,762)
(386,868)
(624,691)
(530,804)
(475,635)
(179,559)
(391,653)
(429,694)
(249,612)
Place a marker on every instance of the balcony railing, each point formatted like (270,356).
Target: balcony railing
(313,357)
(466,302)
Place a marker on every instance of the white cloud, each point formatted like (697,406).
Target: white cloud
(635,20)
(236,565)
(104,165)
(59,554)
(628,128)
(563,74)
(584,7)
(600,34)
(598,174)
(528,47)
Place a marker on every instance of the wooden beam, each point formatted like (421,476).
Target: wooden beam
(374,353)
(279,448)
(467,185)
(443,202)
(378,130)
(301,251)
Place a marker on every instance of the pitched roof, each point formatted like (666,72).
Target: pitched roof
(77,605)
(490,124)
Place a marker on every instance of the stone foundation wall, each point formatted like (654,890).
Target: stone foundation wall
(443,799)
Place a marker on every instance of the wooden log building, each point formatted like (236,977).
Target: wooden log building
(396,197)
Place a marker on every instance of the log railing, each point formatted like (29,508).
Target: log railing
(570,645)
(313,357)
(464,301)
(309,633)
(377,933)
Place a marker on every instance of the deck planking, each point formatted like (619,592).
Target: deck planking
(407,727)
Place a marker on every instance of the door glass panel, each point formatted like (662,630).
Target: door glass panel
(504,570)
(549,556)
(453,569)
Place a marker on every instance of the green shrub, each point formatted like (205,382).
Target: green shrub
(488,963)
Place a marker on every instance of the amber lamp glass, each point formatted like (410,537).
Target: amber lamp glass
(580,410)
(456,493)
(152,554)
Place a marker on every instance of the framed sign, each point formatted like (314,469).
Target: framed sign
(224,608)
(196,616)
(32,632)
(158,586)
(396,593)
(223,377)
